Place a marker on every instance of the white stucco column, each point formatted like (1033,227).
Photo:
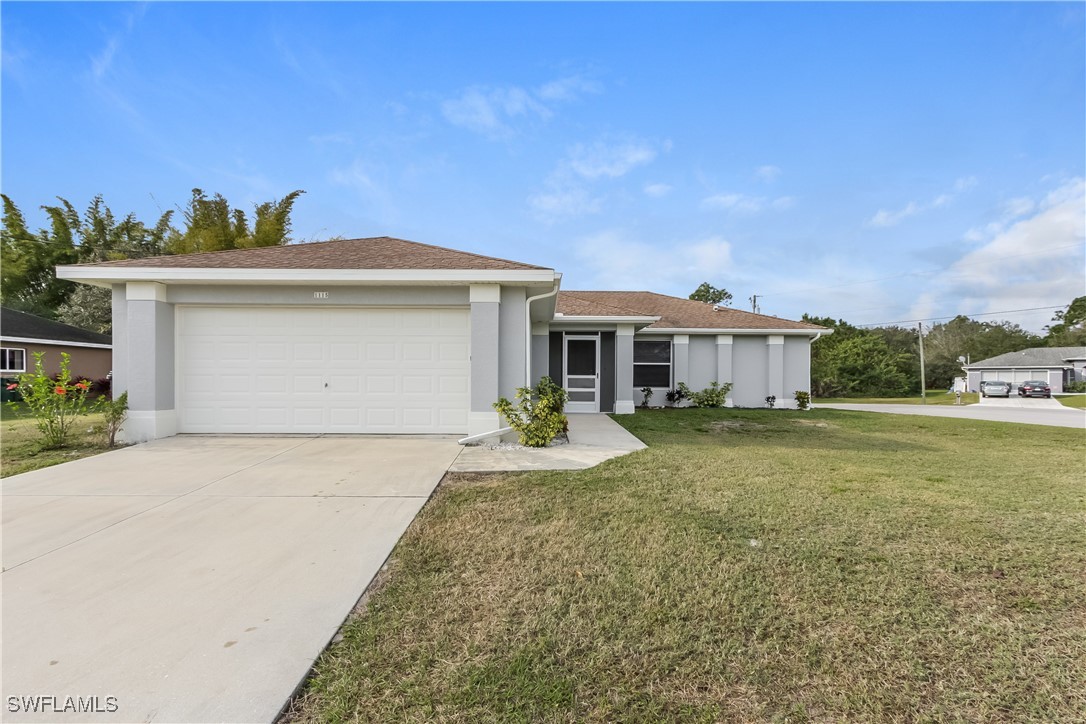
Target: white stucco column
(724,363)
(148,370)
(776,369)
(485,300)
(624,391)
(680,359)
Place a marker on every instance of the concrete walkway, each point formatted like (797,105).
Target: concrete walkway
(592,440)
(1041,415)
(195,579)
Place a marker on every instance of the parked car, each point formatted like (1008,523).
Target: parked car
(1034,388)
(995,388)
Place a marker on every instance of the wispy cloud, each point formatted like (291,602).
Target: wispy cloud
(1035,259)
(885,218)
(745,204)
(337,138)
(497,111)
(102,61)
(657,190)
(611,160)
(568,189)
(614,260)
(769,174)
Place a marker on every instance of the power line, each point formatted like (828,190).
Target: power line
(978,314)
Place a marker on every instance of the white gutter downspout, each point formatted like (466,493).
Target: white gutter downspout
(527,360)
(528,328)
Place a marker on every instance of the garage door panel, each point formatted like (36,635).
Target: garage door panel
(323,370)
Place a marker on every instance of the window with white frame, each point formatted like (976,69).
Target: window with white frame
(12,360)
(652,363)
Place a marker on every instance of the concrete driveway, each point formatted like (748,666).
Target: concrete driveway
(1023,403)
(195,579)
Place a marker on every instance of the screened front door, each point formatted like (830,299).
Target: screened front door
(582,366)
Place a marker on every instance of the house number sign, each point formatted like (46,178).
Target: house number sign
(320,295)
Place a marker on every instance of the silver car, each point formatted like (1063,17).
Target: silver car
(996,389)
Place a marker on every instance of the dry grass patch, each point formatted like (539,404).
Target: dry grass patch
(878,568)
(21,450)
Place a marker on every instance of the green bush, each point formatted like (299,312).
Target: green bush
(537,416)
(715,395)
(114,413)
(1075,386)
(803,399)
(55,402)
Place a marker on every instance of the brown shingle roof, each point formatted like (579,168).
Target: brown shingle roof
(380,252)
(674,313)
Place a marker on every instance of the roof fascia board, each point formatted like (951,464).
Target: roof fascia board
(102,275)
(56,342)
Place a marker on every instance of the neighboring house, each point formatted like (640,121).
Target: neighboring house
(390,336)
(22,334)
(1056,365)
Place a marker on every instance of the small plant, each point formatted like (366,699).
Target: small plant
(770,401)
(537,416)
(55,402)
(114,413)
(1075,386)
(678,394)
(647,395)
(715,395)
(803,399)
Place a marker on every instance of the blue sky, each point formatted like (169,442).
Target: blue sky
(876,162)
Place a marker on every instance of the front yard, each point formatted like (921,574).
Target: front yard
(749,565)
(20,446)
(934,397)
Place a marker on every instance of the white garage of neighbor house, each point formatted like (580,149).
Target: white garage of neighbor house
(384,335)
(1058,366)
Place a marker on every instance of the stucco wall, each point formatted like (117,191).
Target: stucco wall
(702,361)
(797,368)
(511,350)
(750,370)
(90,362)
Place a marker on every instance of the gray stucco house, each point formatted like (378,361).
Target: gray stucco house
(1056,365)
(383,335)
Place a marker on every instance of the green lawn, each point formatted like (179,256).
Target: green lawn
(1076,401)
(21,452)
(749,565)
(935,397)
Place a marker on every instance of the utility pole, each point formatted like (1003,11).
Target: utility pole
(923,382)
(754,303)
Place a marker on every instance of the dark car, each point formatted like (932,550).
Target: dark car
(1034,388)
(995,388)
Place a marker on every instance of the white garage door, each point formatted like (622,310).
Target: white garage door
(285,369)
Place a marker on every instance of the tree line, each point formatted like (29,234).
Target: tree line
(28,259)
(885,361)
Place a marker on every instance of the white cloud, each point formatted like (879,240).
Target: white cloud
(493,111)
(568,89)
(657,190)
(611,260)
(884,218)
(569,187)
(769,174)
(744,204)
(1036,261)
(566,202)
(965,183)
(611,160)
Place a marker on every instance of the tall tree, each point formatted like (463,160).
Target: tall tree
(212,225)
(711,295)
(28,280)
(1069,328)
